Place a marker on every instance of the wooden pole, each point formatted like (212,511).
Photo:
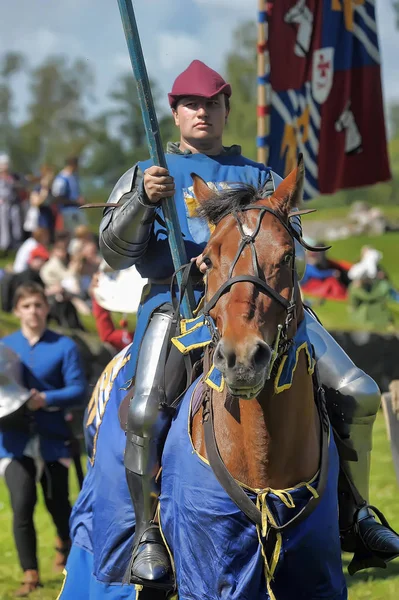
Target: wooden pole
(154,141)
(264,90)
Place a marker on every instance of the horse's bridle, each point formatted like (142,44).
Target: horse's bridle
(281,342)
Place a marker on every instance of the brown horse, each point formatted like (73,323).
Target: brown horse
(269,442)
(254,445)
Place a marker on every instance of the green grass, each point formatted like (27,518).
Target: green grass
(10,573)
(373,584)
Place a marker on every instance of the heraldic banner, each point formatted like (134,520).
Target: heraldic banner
(326,97)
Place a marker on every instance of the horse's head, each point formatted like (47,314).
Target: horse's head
(250,277)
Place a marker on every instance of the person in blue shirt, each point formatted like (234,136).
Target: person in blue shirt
(133,232)
(66,186)
(40,446)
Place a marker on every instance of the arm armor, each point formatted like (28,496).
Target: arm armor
(300,253)
(125,230)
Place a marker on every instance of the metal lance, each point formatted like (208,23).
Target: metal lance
(155,147)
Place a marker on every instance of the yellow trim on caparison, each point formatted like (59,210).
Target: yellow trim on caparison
(278,389)
(184,322)
(65,573)
(172,561)
(212,384)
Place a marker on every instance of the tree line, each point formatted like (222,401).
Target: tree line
(58,124)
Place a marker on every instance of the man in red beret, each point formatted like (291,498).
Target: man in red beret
(134,232)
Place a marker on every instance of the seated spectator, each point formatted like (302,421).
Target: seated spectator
(40,237)
(61,281)
(368,265)
(107,332)
(323,277)
(81,235)
(368,301)
(11,281)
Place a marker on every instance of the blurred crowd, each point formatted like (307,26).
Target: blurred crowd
(40,220)
(365,284)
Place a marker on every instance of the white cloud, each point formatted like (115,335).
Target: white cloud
(246,6)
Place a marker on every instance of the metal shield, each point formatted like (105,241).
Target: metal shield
(322,74)
(12,393)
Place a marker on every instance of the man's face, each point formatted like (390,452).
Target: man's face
(201,118)
(32,311)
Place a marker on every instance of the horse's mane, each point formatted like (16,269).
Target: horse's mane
(225,202)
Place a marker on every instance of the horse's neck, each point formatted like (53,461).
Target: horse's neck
(272,441)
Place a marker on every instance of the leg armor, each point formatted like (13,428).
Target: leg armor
(147,426)
(353,400)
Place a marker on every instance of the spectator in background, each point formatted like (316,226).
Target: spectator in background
(53,373)
(368,265)
(39,237)
(107,332)
(12,195)
(66,186)
(368,301)
(60,278)
(81,235)
(11,281)
(42,201)
(323,277)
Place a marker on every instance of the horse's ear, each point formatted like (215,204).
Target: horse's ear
(202,192)
(290,191)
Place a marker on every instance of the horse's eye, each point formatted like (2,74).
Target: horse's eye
(207,262)
(287,258)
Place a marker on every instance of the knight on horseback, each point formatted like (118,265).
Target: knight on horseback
(133,233)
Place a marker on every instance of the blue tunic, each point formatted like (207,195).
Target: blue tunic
(52,365)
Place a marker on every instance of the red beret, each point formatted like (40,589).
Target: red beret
(198,80)
(39,252)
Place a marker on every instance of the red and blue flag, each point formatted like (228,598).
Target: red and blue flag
(326,101)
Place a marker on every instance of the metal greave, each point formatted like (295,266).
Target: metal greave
(147,422)
(353,400)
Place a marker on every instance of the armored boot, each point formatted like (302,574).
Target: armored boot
(353,399)
(147,425)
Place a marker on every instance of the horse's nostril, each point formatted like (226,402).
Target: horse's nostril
(224,356)
(262,355)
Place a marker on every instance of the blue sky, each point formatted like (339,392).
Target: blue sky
(173,33)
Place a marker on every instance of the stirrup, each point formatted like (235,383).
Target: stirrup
(367,555)
(151,539)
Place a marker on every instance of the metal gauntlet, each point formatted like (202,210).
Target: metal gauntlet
(125,230)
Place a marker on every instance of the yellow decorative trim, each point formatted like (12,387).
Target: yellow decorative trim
(172,562)
(64,572)
(200,305)
(104,385)
(278,389)
(212,384)
(138,588)
(183,325)
(186,349)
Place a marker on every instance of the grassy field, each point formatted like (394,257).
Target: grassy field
(373,584)
(370,585)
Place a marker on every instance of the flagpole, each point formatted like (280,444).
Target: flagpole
(154,141)
(264,91)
